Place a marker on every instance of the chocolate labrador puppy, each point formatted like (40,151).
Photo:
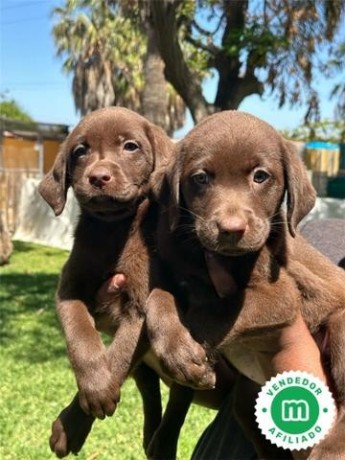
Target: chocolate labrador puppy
(108,160)
(231,242)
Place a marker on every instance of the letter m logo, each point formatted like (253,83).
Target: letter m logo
(295,410)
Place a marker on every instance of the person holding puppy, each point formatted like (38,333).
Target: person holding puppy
(224,439)
(294,342)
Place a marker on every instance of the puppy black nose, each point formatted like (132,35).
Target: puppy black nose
(99,177)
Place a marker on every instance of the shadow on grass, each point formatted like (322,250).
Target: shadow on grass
(23,246)
(29,326)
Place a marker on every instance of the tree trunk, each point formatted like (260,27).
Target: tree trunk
(232,87)
(155,95)
(176,69)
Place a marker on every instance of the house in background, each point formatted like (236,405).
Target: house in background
(27,150)
(326,161)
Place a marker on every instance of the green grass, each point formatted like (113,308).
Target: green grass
(35,377)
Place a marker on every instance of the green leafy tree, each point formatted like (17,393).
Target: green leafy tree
(9,108)
(323,130)
(122,51)
(102,51)
(114,63)
(254,47)
(337,66)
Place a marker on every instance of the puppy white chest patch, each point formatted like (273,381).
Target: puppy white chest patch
(246,362)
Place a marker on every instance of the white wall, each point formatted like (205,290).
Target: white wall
(37,221)
(38,224)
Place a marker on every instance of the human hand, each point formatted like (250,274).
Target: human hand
(112,286)
(299,351)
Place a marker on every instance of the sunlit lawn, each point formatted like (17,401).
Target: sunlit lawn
(35,377)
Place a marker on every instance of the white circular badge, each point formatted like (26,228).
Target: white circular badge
(295,410)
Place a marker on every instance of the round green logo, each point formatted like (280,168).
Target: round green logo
(295,410)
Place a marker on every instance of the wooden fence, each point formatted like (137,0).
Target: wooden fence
(22,155)
(11,181)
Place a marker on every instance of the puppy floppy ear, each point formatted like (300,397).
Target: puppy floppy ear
(165,189)
(174,181)
(301,194)
(53,188)
(162,146)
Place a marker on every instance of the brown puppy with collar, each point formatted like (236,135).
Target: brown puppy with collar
(247,274)
(108,160)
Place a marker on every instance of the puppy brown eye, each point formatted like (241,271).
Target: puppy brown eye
(260,176)
(130,146)
(201,178)
(79,150)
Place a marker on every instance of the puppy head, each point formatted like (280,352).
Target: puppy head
(229,180)
(107,159)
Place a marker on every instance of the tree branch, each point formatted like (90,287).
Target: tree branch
(176,69)
(232,87)
(206,32)
(209,48)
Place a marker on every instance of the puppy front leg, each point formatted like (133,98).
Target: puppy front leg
(180,355)
(98,394)
(128,346)
(72,426)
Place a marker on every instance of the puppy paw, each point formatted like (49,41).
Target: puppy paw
(99,393)
(70,430)
(184,359)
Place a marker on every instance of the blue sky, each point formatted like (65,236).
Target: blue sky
(31,73)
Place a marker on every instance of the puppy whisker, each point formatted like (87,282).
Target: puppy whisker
(193,214)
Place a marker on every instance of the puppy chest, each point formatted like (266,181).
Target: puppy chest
(248,362)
